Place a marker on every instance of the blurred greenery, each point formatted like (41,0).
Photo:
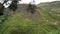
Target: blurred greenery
(45,25)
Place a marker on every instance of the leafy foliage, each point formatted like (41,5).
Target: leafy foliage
(32,8)
(13,6)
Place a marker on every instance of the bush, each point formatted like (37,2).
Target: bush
(32,7)
(13,6)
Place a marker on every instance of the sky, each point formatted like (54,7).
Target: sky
(25,1)
(36,1)
(1,1)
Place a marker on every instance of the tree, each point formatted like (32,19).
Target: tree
(1,9)
(13,5)
(5,1)
(32,7)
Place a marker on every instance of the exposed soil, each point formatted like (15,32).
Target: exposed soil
(28,14)
(35,15)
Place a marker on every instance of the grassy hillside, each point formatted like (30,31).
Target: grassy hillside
(17,25)
(53,9)
(48,24)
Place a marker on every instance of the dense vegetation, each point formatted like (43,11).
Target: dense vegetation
(48,24)
(13,6)
(31,8)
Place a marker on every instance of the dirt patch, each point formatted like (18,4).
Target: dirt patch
(57,23)
(27,14)
(35,15)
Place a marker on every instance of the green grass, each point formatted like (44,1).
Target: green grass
(19,25)
(29,26)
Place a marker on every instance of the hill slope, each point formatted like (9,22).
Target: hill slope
(52,9)
(48,24)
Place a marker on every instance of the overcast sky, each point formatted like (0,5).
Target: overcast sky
(36,1)
(25,1)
